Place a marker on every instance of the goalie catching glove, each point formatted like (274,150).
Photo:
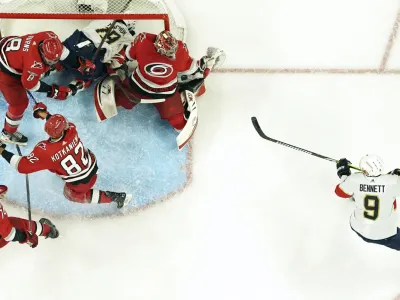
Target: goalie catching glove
(214,59)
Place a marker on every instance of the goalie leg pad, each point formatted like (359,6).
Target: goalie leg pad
(104,99)
(172,110)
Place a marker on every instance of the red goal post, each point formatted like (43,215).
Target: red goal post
(150,15)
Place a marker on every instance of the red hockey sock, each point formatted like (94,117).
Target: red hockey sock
(45,230)
(12,122)
(99,197)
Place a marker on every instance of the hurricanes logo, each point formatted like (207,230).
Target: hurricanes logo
(160,70)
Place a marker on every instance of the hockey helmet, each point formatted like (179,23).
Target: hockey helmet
(371,165)
(3,191)
(55,126)
(51,49)
(166,44)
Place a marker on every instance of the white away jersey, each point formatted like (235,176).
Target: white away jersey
(375,214)
(117,39)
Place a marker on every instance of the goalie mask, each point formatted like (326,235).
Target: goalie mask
(166,44)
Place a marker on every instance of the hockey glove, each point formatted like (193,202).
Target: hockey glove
(2,146)
(38,108)
(53,69)
(31,239)
(59,92)
(78,85)
(343,168)
(86,67)
(395,172)
(215,57)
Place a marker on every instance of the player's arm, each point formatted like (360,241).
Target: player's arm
(343,189)
(24,164)
(132,49)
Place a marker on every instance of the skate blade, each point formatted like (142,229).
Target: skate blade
(128,199)
(7,141)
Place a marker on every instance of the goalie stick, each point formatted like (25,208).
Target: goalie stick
(262,134)
(28,195)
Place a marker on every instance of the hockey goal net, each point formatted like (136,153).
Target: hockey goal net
(19,17)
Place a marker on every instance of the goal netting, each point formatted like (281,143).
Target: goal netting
(18,16)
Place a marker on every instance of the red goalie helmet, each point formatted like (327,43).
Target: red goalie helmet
(50,50)
(55,126)
(166,44)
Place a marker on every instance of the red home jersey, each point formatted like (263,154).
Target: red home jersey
(156,73)
(67,158)
(19,56)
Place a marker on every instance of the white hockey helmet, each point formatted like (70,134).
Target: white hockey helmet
(371,165)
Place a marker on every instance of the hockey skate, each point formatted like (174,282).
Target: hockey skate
(53,234)
(14,138)
(121,199)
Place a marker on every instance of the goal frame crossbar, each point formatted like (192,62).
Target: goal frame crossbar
(94,16)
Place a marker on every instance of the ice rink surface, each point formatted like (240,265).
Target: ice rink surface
(259,221)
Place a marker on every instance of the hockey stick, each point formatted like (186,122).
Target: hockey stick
(262,134)
(28,195)
(126,6)
(103,40)
(31,96)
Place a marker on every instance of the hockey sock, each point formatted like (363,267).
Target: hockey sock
(12,122)
(98,197)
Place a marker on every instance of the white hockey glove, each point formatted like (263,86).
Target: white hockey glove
(215,58)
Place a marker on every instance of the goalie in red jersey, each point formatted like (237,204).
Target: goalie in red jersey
(14,229)
(165,75)
(64,154)
(24,60)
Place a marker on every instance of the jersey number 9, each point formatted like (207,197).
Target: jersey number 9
(371,207)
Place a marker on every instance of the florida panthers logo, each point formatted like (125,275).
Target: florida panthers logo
(159,70)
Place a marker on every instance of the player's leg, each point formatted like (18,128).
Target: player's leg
(43,228)
(15,95)
(84,193)
(172,110)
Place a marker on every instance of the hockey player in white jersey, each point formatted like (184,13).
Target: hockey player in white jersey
(84,43)
(374,218)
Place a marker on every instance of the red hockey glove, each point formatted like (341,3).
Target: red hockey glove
(59,92)
(39,107)
(31,239)
(86,67)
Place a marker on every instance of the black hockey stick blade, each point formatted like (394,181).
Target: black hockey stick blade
(264,136)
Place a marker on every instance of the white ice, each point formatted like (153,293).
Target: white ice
(259,221)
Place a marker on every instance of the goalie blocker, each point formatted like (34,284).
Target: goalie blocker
(180,110)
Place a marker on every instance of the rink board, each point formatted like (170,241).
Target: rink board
(136,153)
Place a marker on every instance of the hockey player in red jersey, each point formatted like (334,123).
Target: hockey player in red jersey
(14,229)
(165,72)
(64,154)
(24,60)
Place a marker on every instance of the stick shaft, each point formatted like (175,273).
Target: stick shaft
(28,194)
(264,136)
